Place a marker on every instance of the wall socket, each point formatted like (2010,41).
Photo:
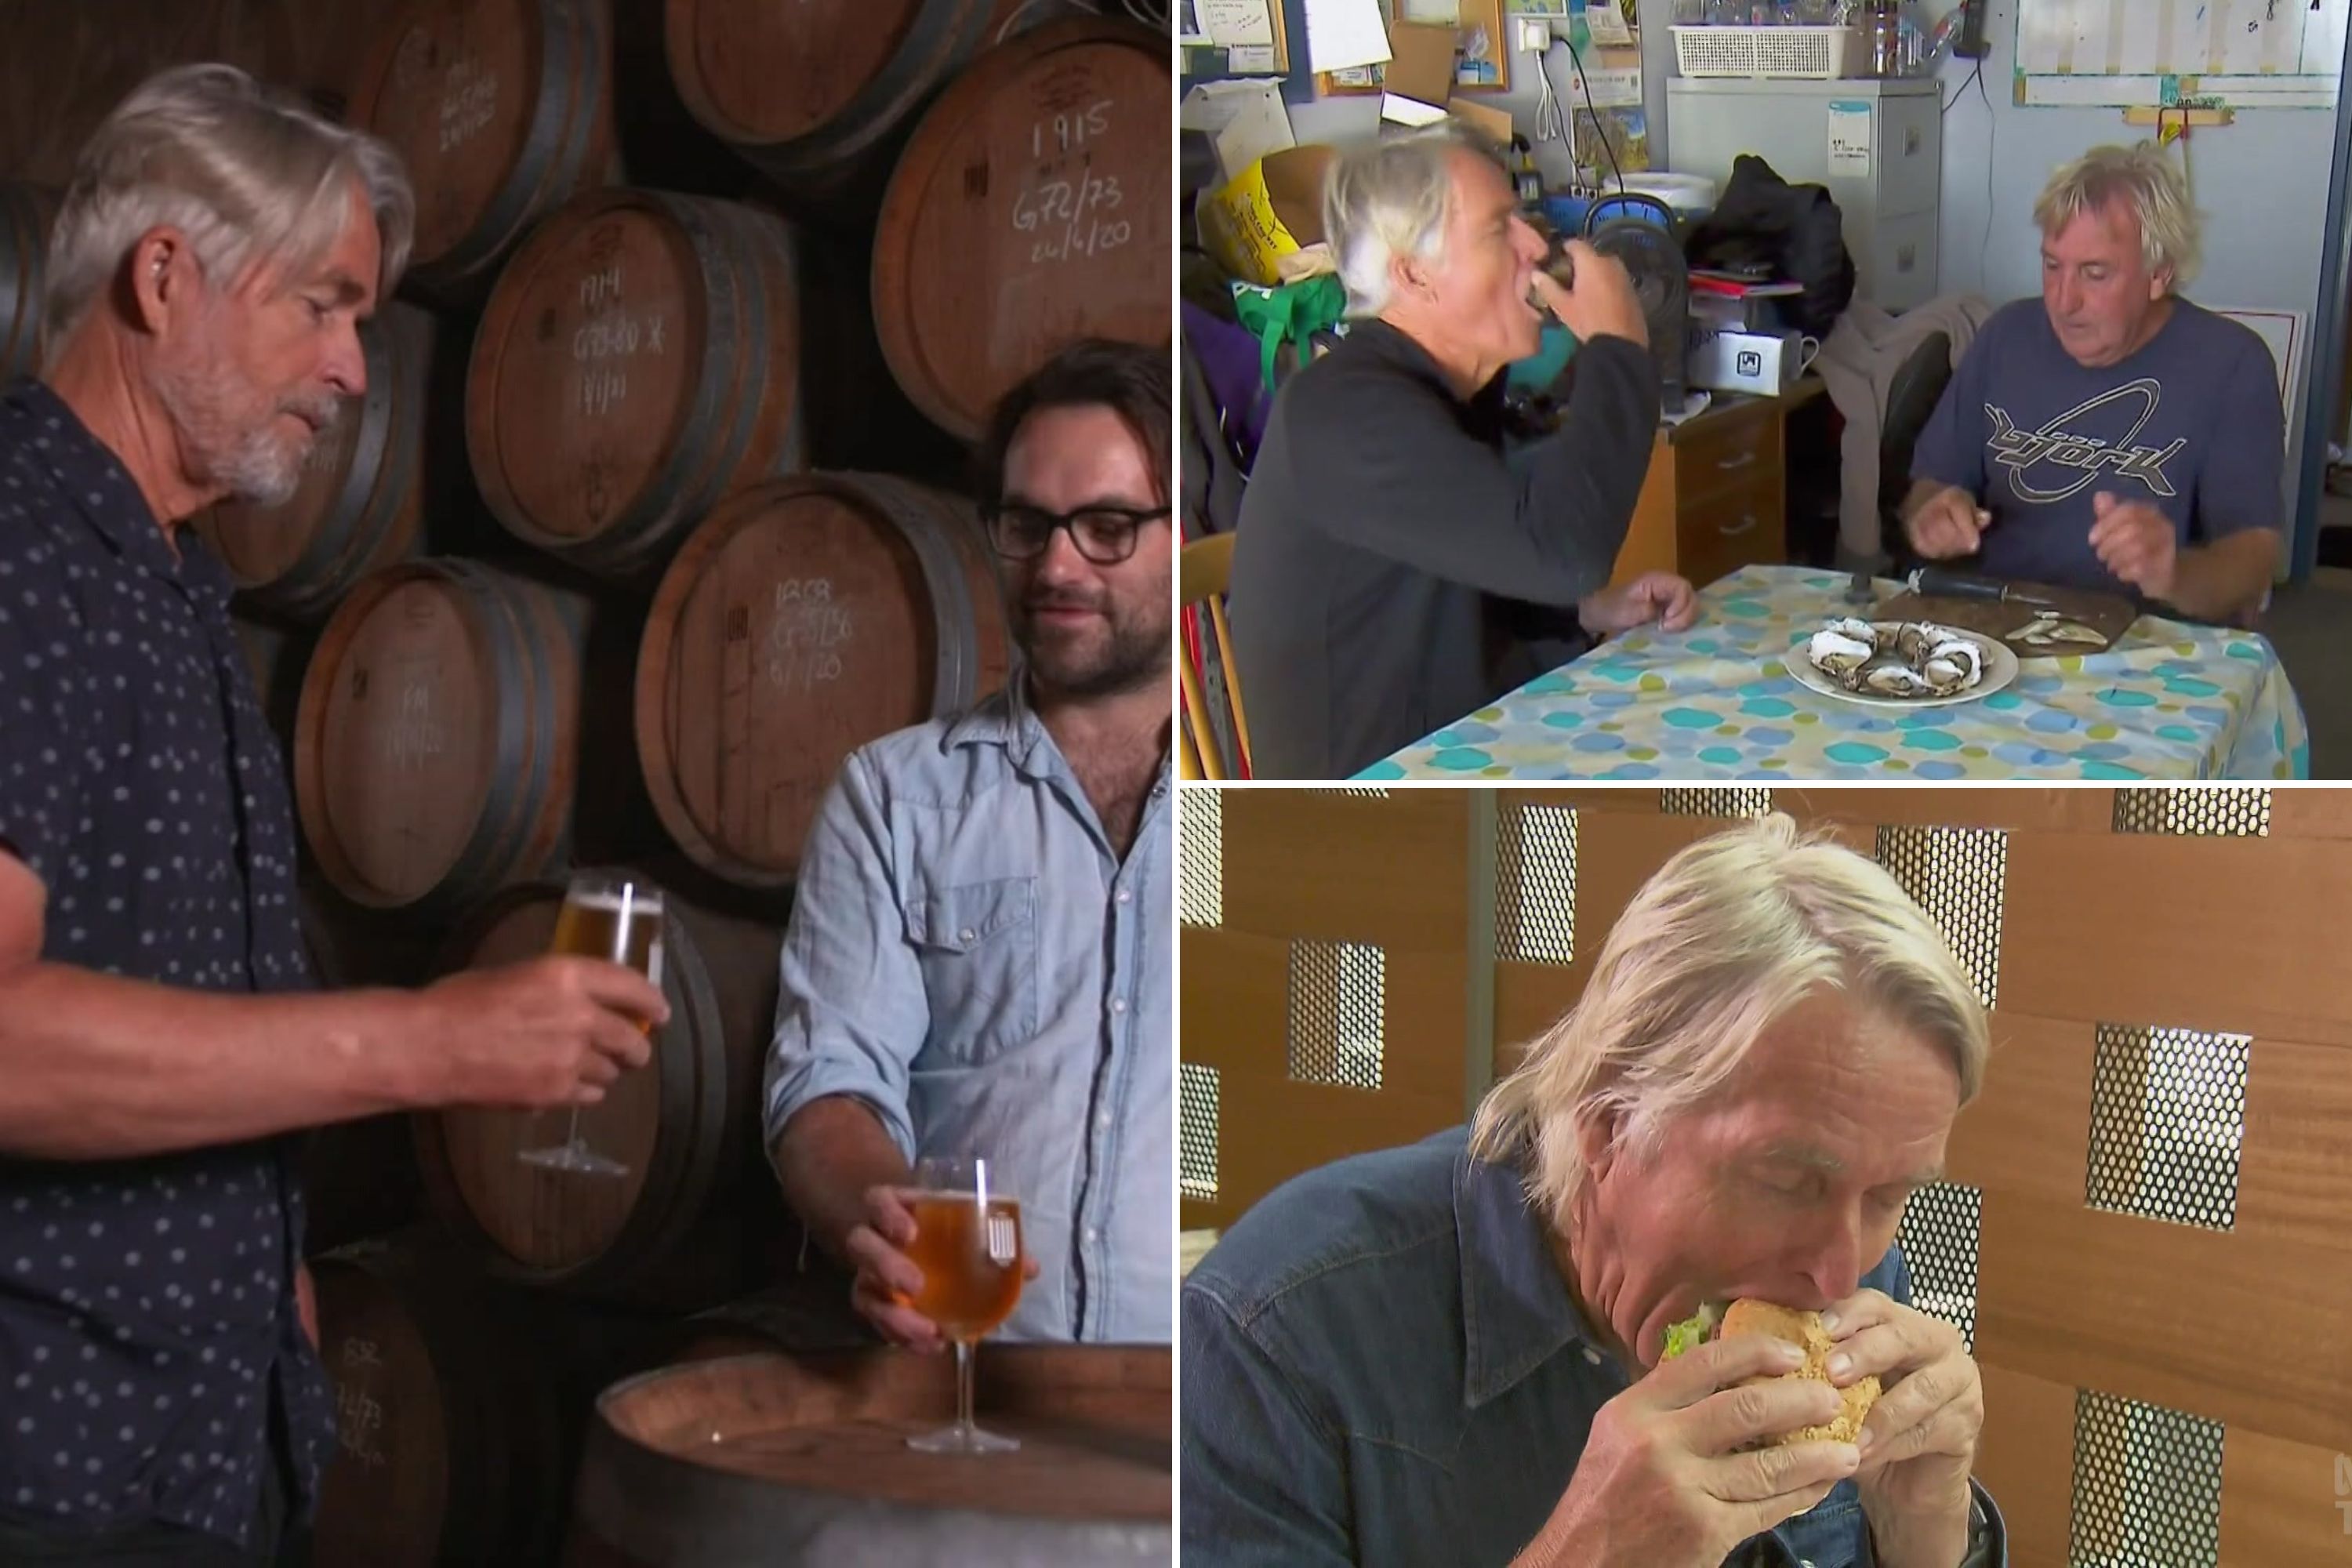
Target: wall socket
(1533,34)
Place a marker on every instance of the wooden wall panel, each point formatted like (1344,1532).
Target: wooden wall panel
(2157,1312)
(1529,998)
(2295,1170)
(2044,810)
(2029,1133)
(2025,1457)
(1390,871)
(2236,935)
(2283,1505)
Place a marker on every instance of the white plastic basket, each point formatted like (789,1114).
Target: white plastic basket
(1813,54)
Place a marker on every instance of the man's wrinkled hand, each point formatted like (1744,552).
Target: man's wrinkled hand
(2137,542)
(1659,596)
(1920,1443)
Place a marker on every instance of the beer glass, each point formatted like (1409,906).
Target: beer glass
(605,915)
(967,1244)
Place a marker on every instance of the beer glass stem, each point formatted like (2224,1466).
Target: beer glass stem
(963,1389)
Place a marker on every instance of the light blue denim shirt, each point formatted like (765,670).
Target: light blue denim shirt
(969,956)
(1381,1365)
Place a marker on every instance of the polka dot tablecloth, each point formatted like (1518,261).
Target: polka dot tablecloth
(2170,701)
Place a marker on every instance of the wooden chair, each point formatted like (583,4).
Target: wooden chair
(1205,568)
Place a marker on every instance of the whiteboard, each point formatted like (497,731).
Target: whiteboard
(2279,54)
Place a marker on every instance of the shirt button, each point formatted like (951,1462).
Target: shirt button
(1118,1004)
(964,935)
(1102,1121)
(1125,897)
(1591,1355)
(1093,1236)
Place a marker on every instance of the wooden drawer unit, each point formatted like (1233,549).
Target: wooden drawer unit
(1715,498)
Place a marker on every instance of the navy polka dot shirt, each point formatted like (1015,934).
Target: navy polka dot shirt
(147,1322)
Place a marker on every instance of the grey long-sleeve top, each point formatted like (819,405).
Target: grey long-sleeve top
(1383,528)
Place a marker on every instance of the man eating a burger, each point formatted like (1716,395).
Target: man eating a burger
(1457,1351)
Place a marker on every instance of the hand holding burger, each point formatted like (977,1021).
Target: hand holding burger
(1910,1399)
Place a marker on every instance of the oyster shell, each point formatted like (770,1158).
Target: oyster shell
(1896,680)
(1838,653)
(2069,631)
(1953,665)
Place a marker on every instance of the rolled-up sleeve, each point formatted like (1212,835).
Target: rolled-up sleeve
(850,1011)
(1265,1482)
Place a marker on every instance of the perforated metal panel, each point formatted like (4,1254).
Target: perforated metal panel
(2234,811)
(1939,1238)
(1739,800)
(1337,1002)
(1357,792)
(1196,1125)
(2168,1117)
(1955,874)
(2148,1486)
(1535,884)
(1200,858)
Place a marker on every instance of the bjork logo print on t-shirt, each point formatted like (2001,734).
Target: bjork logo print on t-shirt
(2071,450)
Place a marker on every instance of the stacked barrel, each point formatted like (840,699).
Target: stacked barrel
(649,515)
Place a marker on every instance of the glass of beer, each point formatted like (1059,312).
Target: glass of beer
(605,915)
(967,1244)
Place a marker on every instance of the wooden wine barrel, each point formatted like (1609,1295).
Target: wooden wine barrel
(807,616)
(686,1125)
(803,1460)
(25,214)
(438,737)
(638,360)
(803,91)
(455,1427)
(501,109)
(361,504)
(1031,208)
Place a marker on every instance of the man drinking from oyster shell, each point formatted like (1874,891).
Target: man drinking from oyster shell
(2116,437)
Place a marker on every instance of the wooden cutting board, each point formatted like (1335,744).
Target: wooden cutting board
(2104,612)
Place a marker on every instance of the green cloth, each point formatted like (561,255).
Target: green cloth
(1289,313)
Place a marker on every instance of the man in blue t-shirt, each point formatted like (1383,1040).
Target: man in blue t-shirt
(2116,438)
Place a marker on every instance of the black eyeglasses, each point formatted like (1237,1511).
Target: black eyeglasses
(1104,534)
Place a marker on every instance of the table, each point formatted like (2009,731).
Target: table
(2170,700)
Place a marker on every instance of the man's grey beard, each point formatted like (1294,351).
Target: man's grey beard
(252,463)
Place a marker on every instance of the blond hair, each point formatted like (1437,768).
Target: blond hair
(1727,936)
(1389,198)
(248,174)
(2145,182)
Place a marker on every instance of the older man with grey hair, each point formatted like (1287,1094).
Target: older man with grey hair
(216,250)
(2111,436)
(1457,1351)
(1393,573)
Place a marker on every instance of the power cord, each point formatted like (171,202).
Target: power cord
(1594,114)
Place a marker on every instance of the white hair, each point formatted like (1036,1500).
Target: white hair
(2147,184)
(249,174)
(1727,937)
(1390,198)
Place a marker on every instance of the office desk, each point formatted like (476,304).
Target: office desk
(1715,497)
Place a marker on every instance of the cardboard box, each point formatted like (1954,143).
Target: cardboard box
(1266,226)
(1495,123)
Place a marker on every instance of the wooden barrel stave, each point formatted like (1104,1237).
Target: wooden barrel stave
(800,1459)
(512,815)
(579,481)
(369,512)
(1033,239)
(817,139)
(434,83)
(736,781)
(698,1218)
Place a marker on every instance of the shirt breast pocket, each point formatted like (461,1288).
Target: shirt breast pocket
(1831,1533)
(976,943)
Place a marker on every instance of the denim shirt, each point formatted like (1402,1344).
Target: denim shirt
(1382,1365)
(969,957)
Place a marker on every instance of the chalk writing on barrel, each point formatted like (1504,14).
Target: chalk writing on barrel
(414,734)
(469,102)
(359,1419)
(807,634)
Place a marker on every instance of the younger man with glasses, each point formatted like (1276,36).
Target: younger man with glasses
(979,951)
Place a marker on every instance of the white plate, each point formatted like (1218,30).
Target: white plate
(2000,670)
